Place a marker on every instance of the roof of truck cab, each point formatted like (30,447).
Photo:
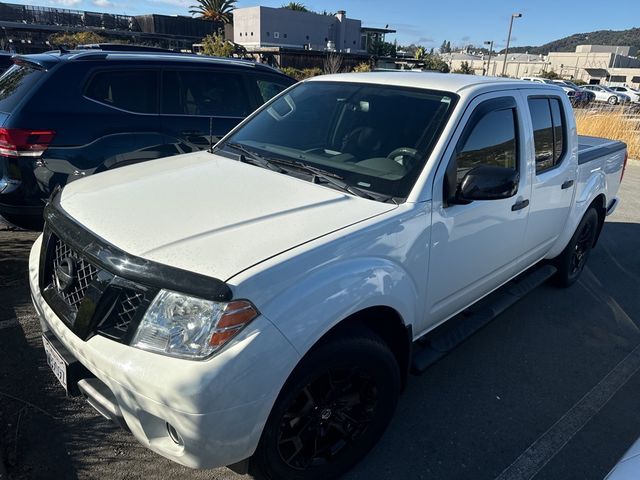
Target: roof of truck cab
(450,82)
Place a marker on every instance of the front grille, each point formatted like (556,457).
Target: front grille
(90,298)
(85,273)
(126,310)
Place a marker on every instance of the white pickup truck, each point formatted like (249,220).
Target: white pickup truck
(261,305)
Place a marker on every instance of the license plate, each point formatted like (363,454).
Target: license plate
(55,361)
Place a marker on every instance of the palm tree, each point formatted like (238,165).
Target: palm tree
(215,10)
(297,6)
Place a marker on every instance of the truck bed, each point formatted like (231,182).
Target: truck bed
(590,148)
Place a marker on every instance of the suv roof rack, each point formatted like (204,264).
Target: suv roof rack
(123,47)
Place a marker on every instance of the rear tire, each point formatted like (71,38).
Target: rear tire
(571,262)
(332,410)
(612,100)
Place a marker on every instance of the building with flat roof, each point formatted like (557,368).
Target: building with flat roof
(604,64)
(266,27)
(27,28)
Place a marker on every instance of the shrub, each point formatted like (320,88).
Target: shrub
(613,124)
(362,67)
(299,74)
(217,46)
(72,40)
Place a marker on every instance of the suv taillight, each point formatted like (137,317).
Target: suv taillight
(19,142)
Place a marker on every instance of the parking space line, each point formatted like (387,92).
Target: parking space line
(550,443)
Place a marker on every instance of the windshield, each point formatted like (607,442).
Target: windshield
(374,137)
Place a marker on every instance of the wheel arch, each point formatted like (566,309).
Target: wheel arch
(600,205)
(388,324)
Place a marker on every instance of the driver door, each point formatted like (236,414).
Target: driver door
(479,245)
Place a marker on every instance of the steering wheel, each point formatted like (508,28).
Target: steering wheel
(402,154)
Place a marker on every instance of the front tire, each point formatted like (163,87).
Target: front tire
(332,410)
(571,262)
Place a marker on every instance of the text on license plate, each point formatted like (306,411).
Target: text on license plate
(55,361)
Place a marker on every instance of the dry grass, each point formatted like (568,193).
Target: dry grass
(616,123)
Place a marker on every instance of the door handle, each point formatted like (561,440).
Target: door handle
(567,184)
(520,205)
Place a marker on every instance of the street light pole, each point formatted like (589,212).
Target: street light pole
(506,50)
(490,43)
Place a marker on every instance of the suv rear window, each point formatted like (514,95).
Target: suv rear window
(204,93)
(15,83)
(134,91)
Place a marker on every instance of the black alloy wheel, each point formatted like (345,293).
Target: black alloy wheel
(332,410)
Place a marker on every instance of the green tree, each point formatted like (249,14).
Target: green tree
(551,75)
(465,68)
(215,10)
(297,6)
(435,63)
(380,48)
(419,53)
(72,40)
(215,45)
(445,47)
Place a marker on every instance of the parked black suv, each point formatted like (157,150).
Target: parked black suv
(65,115)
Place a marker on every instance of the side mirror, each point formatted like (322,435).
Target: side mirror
(487,182)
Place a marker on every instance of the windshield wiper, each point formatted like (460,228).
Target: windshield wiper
(329,177)
(248,156)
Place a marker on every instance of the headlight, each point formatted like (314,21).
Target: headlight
(188,327)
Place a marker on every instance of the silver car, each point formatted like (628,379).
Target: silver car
(605,94)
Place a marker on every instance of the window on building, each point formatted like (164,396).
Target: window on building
(204,93)
(240,33)
(285,35)
(134,91)
(252,34)
(276,34)
(548,132)
(307,37)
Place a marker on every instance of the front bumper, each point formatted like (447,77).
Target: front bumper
(217,406)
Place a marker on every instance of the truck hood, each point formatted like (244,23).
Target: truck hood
(209,214)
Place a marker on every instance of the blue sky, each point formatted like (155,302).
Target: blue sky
(429,22)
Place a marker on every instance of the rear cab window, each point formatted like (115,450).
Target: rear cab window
(547,118)
(134,91)
(15,83)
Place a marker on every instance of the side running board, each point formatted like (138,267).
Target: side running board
(436,344)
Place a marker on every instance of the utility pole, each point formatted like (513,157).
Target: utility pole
(490,43)
(506,50)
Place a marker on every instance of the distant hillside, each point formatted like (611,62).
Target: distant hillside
(629,37)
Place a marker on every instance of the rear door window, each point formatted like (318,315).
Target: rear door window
(133,91)
(15,83)
(204,93)
(548,132)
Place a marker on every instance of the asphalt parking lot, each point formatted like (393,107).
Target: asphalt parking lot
(549,390)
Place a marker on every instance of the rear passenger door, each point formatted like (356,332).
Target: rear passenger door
(124,127)
(555,171)
(198,102)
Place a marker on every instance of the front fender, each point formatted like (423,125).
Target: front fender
(311,307)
